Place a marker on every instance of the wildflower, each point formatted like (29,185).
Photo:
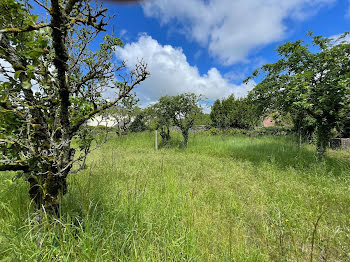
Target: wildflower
(287,220)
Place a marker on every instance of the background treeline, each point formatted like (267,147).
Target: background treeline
(234,113)
(227,113)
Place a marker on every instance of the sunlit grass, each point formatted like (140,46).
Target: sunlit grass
(223,198)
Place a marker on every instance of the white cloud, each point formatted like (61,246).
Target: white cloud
(232,29)
(171,74)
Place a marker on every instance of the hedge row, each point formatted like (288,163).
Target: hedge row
(275,131)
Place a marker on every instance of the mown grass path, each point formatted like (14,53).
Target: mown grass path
(221,199)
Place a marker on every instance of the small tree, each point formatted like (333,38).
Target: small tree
(185,108)
(315,82)
(139,123)
(216,115)
(53,86)
(163,114)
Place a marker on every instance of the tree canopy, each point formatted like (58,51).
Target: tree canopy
(180,110)
(312,78)
(234,113)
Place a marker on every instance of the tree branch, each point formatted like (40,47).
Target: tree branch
(23,29)
(140,74)
(59,34)
(70,5)
(76,127)
(14,168)
(43,6)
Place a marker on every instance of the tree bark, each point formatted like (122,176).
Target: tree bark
(323,136)
(185,135)
(46,190)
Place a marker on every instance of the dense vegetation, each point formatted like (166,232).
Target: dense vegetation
(310,80)
(180,111)
(234,113)
(224,198)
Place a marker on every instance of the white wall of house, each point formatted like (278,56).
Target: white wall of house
(108,121)
(102,121)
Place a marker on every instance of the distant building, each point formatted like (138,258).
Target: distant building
(269,121)
(102,121)
(110,121)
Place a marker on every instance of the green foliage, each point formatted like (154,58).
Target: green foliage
(261,131)
(202,119)
(162,113)
(306,81)
(344,123)
(138,125)
(184,108)
(180,110)
(234,113)
(217,115)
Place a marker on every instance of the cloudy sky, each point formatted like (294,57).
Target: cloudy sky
(210,46)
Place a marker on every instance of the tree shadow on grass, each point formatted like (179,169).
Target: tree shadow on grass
(286,155)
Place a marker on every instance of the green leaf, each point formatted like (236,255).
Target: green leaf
(17,73)
(26,84)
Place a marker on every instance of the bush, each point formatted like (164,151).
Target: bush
(214,131)
(138,125)
(273,130)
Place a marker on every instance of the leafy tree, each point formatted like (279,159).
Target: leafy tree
(184,108)
(203,119)
(180,110)
(139,123)
(234,113)
(163,114)
(53,85)
(313,79)
(216,115)
(243,114)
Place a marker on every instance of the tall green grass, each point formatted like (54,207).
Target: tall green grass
(223,198)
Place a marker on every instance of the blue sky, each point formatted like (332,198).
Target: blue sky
(210,46)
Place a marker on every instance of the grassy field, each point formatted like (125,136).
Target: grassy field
(221,199)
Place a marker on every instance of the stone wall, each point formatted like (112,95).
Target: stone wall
(194,129)
(340,143)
